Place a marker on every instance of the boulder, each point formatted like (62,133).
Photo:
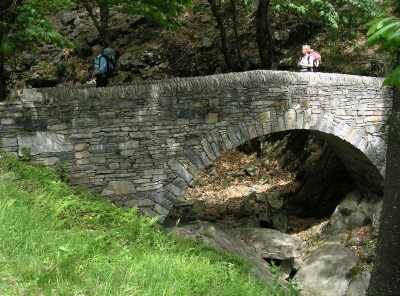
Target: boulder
(353,211)
(279,221)
(245,209)
(274,202)
(272,244)
(227,241)
(325,270)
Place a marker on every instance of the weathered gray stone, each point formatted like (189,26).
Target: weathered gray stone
(45,142)
(324,270)
(158,198)
(180,170)
(139,203)
(279,221)
(251,170)
(198,206)
(263,217)
(274,201)
(122,187)
(359,285)
(249,222)
(245,209)
(8,142)
(273,244)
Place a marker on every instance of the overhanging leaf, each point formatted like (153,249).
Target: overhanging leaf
(6,49)
(376,25)
(383,30)
(386,31)
(393,41)
(393,77)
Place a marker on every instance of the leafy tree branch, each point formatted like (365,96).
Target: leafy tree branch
(387,32)
(22,24)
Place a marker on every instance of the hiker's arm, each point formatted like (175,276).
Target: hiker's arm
(97,73)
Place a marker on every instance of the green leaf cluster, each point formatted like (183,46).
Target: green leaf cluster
(334,13)
(24,23)
(387,32)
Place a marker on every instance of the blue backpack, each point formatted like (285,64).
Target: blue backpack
(112,57)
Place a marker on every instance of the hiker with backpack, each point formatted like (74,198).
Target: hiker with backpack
(309,60)
(100,67)
(105,65)
(306,63)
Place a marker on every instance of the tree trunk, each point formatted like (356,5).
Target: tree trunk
(385,279)
(104,17)
(224,44)
(264,36)
(101,24)
(235,30)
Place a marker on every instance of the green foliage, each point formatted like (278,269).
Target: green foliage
(387,32)
(26,154)
(56,240)
(354,272)
(24,24)
(334,13)
(160,11)
(63,172)
(208,234)
(117,151)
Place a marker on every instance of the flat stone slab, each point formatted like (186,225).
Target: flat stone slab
(272,244)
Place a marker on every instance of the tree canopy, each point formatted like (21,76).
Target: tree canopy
(333,13)
(22,24)
(160,11)
(24,21)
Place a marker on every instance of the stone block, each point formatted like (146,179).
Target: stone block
(211,118)
(45,142)
(8,142)
(122,187)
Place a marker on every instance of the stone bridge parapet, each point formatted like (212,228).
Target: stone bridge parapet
(141,144)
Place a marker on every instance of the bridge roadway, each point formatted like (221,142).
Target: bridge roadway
(141,144)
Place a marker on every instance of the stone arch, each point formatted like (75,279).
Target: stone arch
(116,138)
(364,162)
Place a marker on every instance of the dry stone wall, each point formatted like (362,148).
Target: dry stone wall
(141,144)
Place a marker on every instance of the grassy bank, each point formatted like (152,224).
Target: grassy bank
(56,240)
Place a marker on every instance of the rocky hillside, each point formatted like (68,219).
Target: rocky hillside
(150,51)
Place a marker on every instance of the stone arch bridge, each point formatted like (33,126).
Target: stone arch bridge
(141,144)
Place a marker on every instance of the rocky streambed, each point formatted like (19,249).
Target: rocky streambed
(265,202)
